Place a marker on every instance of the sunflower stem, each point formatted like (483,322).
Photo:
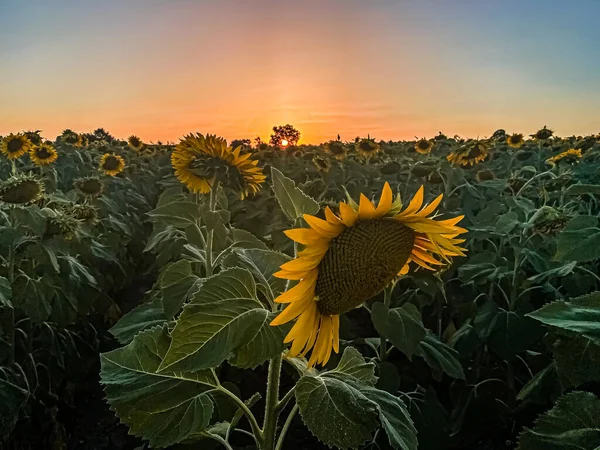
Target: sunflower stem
(14,166)
(256,431)
(286,427)
(272,401)
(212,203)
(387,301)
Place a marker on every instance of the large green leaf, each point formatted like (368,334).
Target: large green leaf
(403,326)
(165,408)
(577,360)
(332,406)
(221,319)
(580,314)
(573,423)
(579,240)
(440,357)
(263,264)
(179,214)
(142,317)
(352,406)
(541,386)
(177,284)
(394,418)
(294,203)
(431,420)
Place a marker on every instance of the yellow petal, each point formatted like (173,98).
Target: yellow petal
(323,227)
(331,217)
(336,333)
(302,289)
(349,216)
(289,275)
(385,202)
(414,204)
(404,269)
(366,210)
(301,264)
(429,209)
(304,236)
(292,311)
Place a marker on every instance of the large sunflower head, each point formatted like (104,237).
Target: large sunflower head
(570,156)
(21,190)
(543,134)
(135,143)
(34,137)
(15,145)
(424,146)
(70,137)
(367,147)
(515,140)
(351,256)
(43,154)
(90,186)
(336,149)
(111,164)
(201,162)
(469,155)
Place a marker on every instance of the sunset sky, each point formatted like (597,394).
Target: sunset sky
(393,68)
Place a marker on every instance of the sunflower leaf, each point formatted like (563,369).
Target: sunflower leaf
(440,357)
(403,326)
(5,292)
(12,399)
(179,214)
(177,284)
(574,422)
(142,317)
(581,314)
(220,320)
(294,203)
(165,408)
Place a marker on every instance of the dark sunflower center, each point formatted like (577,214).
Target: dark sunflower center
(111,163)
(135,142)
(91,187)
(71,138)
(475,151)
(21,193)
(322,163)
(14,145)
(423,145)
(43,153)
(367,146)
(336,149)
(515,139)
(360,262)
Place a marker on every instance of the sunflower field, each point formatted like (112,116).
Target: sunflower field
(435,294)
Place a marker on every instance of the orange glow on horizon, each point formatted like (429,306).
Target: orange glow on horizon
(284,142)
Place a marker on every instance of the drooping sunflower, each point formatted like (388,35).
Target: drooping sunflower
(424,146)
(570,156)
(61,224)
(351,256)
(367,147)
(201,162)
(21,190)
(135,143)
(469,155)
(91,186)
(43,154)
(15,145)
(542,134)
(484,175)
(515,140)
(111,164)
(336,149)
(321,164)
(70,137)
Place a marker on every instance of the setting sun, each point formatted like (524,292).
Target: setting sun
(284,143)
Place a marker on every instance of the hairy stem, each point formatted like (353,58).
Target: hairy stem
(211,233)
(256,431)
(272,401)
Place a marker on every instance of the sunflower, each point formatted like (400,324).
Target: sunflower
(43,154)
(469,155)
(367,147)
(321,164)
(515,140)
(34,137)
(135,143)
(70,137)
(336,149)
(91,186)
(542,134)
(15,145)
(350,257)
(61,224)
(570,156)
(200,162)
(423,146)
(21,190)
(111,164)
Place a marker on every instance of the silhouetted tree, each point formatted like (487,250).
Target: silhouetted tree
(243,142)
(287,132)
